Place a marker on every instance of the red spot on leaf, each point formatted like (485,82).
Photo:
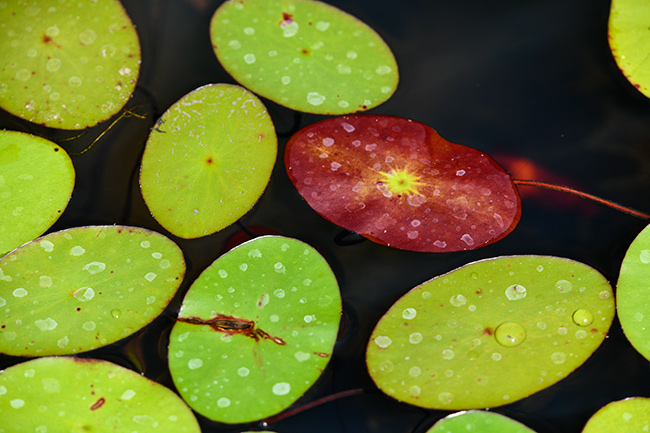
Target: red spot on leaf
(99,403)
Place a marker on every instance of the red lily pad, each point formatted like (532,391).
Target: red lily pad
(398,183)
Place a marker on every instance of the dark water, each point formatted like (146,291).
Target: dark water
(531,79)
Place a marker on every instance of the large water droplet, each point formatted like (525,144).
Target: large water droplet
(582,317)
(116,313)
(510,334)
(516,292)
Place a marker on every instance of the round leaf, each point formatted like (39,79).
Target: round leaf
(398,183)
(304,54)
(491,332)
(69,65)
(631,415)
(633,291)
(79,395)
(83,288)
(208,160)
(480,421)
(628,40)
(36,182)
(255,330)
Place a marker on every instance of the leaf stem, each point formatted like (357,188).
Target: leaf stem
(314,403)
(569,190)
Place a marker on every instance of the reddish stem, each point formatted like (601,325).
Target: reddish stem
(314,403)
(563,188)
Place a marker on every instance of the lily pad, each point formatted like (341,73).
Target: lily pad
(69,65)
(208,160)
(480,421)
(491,332)
(255,330)
(304,54)
(36,182)
(62,394)
(398,183)
(632,302)
(631,415)
(85,287)
(628,39)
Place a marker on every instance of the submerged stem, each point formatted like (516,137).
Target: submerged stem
(126,112)
(569,190)
(314,403)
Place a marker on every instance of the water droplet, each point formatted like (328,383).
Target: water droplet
(77,250)
(84,294)
(94,267)
(383,341)
(448,354)
(515,292)
(445,397)
(415,371)
(116,313)
(223,402)
(644,256)
(563,286)
(603,294)
(472,355)
(458,300)
(558,357)
(46,325)
(474,275)
(409,313)
(582,317)
(415,338)
(281,388)
(315,98)
(194,363)
(510,334)
(386,366)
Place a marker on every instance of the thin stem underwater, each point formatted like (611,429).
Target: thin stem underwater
(265,423)
(569,190)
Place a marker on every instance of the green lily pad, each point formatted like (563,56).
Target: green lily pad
(69,65)
(62,394)
(491,332)
(208,160)
(480,421)
(632,300)
(255,330)
(631,415)
(628,40)
(304,54)
(36,182)
(83,288)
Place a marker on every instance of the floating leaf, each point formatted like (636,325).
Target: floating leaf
(76,394)
(632,303)
(628,39)
(480,421)
(83,288)
(631,415)
(255,330)
(303,54)
(398,183)
(208,160)
(491,332)
(70,66)
(36,182)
